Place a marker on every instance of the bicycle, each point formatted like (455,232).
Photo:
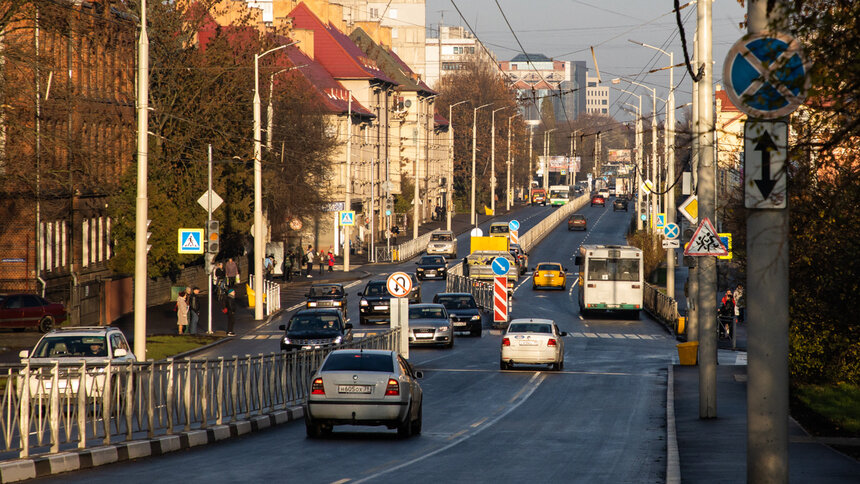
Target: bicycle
(724,326)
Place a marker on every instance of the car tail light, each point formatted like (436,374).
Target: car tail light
(393,387)
(506,341)
(317,387)
(551,342)
(636,286)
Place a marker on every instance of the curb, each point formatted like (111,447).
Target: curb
(21,469)
(673,459)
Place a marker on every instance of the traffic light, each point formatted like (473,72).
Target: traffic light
(213,238)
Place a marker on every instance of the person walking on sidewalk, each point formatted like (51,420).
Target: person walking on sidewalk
(323,260)
(330,261)
(231,271)
(181,312)
(193,309)
(740,303)
(309,260)
(230,310)
(220,282)
(289,258)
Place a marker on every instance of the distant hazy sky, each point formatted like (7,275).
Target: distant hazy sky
(566,29)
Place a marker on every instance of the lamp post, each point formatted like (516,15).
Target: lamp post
(258,187)
(546,159)
(142,201)
(474,153)
(493,160)
(639,156)
(450,211)
(270,110)
(508,171)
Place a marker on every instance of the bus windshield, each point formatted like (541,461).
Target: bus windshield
(559,194)
(613,269)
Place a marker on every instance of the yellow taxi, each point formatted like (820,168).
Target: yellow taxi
(549,274)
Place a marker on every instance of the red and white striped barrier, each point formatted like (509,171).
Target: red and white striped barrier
(500,299)
(514,236)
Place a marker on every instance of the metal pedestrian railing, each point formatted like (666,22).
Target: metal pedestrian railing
(481,291)
(531,238)
(57,407)
(272,295)
(404,251)
(661,306)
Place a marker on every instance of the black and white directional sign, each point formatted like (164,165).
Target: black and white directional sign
(765,151)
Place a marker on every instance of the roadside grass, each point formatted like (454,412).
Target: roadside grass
(836,408)
(164,346)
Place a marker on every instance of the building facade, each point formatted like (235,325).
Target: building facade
(596,97)
(537,77)
(453,49)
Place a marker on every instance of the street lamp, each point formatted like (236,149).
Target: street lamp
(474,153)
(493,160)
(639,155)
(546,159)
(270,111)
(258,187)
(450,210)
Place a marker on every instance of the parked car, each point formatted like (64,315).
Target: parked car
(520,257)
(463,311)
(326,295)
(429,324)
(442,242)
(549,274)
(598,200)
(431,267)
(364,387)
(577,221)
(619,204)
(532,342)
(373,305)
(310,329)
(30,311)
(95,345)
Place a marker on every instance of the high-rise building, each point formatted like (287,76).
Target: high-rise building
(596,97)
(537,77)
(456,49)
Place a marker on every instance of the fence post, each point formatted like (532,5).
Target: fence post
(234,389)
(82,410)
(150,402)
(170,369)
(129,400)
(107,401)
(220,392)
(247,386)
(204,396)
(186,395)
(261,378)
(54,419)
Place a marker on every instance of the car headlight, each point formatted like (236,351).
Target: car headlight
(444,329)
(476,317)
(338,340)
(420,269)
(312,304)
(286,340)
(337,303)
(362,303)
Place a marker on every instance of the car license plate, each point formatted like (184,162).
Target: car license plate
(380,308)
(528,343)
(354,388)
(423,335)
(431,273)
(459,323)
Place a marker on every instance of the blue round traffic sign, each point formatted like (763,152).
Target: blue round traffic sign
(766,75)
(671,231)
(514,225)
(501,266)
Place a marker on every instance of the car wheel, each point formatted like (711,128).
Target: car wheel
(451,343)
(554,367)
(46,324)
(416,424)
(404,428)
(361,320)
(313,429)
(503,365)
(476,332)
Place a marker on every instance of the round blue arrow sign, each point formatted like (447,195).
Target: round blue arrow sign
(514,225)
(501,266)
(766,75)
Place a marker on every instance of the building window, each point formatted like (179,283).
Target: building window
(604,102)
(374,13)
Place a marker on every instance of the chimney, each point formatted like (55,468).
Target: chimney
(306,41)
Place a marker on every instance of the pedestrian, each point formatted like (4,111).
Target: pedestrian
(309,260)
(269,266)
(322,261)
(231,272)
(181,309)
(330,261)
(193,296)
(439,212)
(230,310)
(395,231)
(288,265)
(740,303)
(220,282)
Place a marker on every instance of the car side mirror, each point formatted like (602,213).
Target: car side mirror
(562,333)
(23,354)
(419,374)
(532,269)
(282,327)
(564,269)
(348,326)
(120,352)
(578,260)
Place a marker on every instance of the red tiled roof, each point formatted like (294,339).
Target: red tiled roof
(726,104)
(333,95)
(409,71)
(335,51)
(439,120)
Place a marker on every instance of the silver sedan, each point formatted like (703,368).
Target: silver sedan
(430,324)
(364,387)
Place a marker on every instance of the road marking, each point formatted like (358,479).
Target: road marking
(342,481)
(479,422)
(457,434)
(462,437)
(741,358)
(295,306)
(351,284)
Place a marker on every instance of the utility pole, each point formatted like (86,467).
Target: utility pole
(347,203)
(767,315)
(546,159)
(416,165)
(707,307)
(474,220)
(531,161)
(654,196)
(142,202)
(693,270)
(450,211)
(210,256)
(508,163)
(493,162)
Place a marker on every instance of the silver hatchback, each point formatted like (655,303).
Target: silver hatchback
(442,242)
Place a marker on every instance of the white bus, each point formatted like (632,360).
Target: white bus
(610,279)
(559,195)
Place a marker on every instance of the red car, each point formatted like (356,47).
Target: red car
(30,310)
(598,200)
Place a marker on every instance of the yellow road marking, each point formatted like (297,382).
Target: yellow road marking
(479,422)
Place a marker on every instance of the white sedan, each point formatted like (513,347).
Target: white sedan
(364,387)
(532,342)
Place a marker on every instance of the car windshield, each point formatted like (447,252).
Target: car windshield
(457,302)
(577,217)
(358,362)
(314,322)
(499,229)
(441,237)
(530,328)
(65,346)
(426,313)
(432,259)
(548,267)
(326,290)
(375,289)
(613,270)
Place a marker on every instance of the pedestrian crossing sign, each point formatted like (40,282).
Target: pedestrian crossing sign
(190,241)
(346,218)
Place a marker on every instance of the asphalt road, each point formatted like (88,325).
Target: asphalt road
(600,420)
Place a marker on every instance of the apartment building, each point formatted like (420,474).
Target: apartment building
(596,97)
(537,77)
(453,49)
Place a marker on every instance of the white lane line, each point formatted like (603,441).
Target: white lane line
(295,306)
(741,358)
(618,336)
(466,436)
(479,422)
(590,335)
(342,481)
(351,284)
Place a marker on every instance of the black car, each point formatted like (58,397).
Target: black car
(415,294)
(315,328)
(520,257)
(326,295)
(373,305)
(431,267)
(619,204)
(464,312)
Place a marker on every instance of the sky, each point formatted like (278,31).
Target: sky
(567,29)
